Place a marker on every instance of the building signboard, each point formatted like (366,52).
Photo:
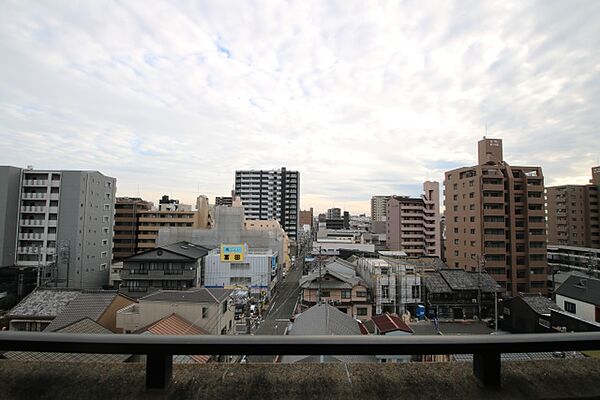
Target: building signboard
(233,252)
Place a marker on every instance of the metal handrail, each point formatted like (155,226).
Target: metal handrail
(486,349)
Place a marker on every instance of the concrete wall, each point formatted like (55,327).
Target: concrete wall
(9,207)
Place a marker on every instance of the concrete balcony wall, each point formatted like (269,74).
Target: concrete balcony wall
(521,380)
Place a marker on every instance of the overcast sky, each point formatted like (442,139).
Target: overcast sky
(361,97)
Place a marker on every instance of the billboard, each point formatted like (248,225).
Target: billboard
(233,252)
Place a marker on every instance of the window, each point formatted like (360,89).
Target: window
(104,242)
(361,293)
(325,293)
(385,291)
(105,218)
(102,267)
(204,312)
(346,294)
(107,207)
(361,311)
(570,307)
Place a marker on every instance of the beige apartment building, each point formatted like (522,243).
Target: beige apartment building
(149,222)
(495,219)
(573,213)
(413,224)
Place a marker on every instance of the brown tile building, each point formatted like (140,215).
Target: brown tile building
(573,213)
(495,218)
(306,218)
(413,224)
(127,212)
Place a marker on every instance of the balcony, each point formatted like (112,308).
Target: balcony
(35,182)
(31,236)
(32,222)
(185,274)
(34,196)
(35,250)
(34,209)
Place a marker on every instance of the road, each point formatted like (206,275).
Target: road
(280,310)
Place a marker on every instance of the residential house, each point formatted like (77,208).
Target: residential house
(527,313)
(176,266)
(460,294)
(581,297)
(208,309)
(340,286)
(51,309)
(324,319)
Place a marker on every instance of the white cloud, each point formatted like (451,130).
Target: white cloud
(362,98)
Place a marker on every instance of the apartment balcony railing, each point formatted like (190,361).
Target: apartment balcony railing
(34,196)
(486,349)
(35,182)
(34,209)
(32,222)
(32,236)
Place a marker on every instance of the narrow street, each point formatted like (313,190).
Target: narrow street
(280,310)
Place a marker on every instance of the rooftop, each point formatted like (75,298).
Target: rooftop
(86,305)
(540,304)
(44,303)
(175,325)
(85,325)
(389,323)
(200,295)
(449,280)
(586,290)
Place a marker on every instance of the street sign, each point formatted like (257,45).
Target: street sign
(233,252)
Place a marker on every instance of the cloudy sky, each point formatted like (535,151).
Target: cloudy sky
(361,97)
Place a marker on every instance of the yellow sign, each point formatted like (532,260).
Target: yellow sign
(233,252)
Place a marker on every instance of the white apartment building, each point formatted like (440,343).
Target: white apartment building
(379,207)
(271,194)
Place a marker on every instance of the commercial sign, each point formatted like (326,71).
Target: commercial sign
(233,252)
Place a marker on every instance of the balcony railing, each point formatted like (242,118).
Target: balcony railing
(486,349)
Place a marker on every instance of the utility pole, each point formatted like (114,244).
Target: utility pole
(496,308)
(481,265)
(38,250)
(319,262)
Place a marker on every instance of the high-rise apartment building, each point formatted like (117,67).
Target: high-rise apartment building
(413,223)
(64,224)
(334,213)
(495,219)
(573,213)
(272,194)
(379,207)
(223,201)
(127,213)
